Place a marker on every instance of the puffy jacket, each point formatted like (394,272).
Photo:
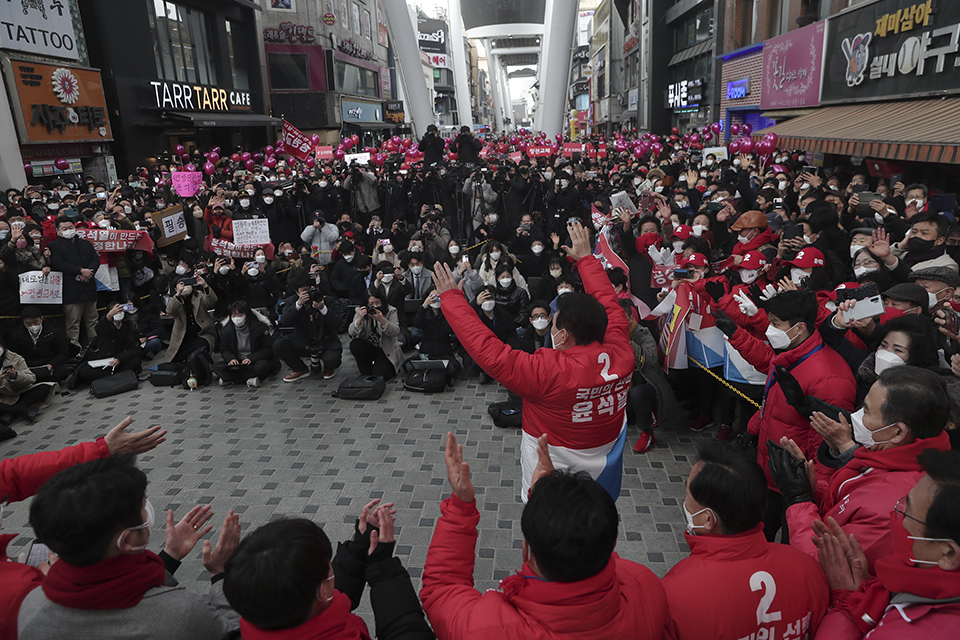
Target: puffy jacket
(861,496)
(322,240)
(822,373)
(920,621)
(577,395)
(19,479)
(719,591)
(625,600)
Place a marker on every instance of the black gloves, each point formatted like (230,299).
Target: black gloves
(792,391)
(832,412)
(724,323)
(715,289)
(790,475)
(746,442)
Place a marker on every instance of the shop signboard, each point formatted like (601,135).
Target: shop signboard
(198,97)
(792,65)
(357,111)
(892,49)
(58,103)
(432,36)
(382,32)
(685,93)
(393,112)
(43,27)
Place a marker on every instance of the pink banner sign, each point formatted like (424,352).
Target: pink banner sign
(324,153)
(186,183)
(540,152)
(792,65)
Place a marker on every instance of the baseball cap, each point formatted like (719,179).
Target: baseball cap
(808,258)
(908,292)
(682,231)
(753,260)
(694,260)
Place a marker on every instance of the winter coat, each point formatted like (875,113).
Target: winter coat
(122,343)
(822,373)
(743,571)
(69,257)
(11,390)
(624,601)
(388,334)
(367,197)
(323,240)
(438,338)
(310,326)
(261,342)
(51,346)
(203,298)
(911,619)
(514,301)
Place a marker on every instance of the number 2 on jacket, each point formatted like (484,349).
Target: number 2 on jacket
(604,359)
(763,580)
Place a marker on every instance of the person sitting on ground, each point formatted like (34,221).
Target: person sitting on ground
(436,337)
(723,509)
(43,345)
(537,335)
(117,343)
(246,347)
(315,319)
(571,585)
(374,333)
(284,584)
(193,328)
(97,518)
(22,476)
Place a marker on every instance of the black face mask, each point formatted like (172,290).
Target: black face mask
(919,245)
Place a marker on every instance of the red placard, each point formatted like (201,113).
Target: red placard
(539,152)
(295,142)
(516,157)
(570,148)
(116,240)
(661,275)
(323,153)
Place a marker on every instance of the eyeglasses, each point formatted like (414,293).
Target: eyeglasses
(540,316)
(900,509)
(868,262)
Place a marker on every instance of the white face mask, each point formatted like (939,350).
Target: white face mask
(932,298)
(736,162)
(349,257)
(782,185)
(127,210)
(53,206)
(336,183)
(250,192)
(797,275)
(488,305)
(261,259)
(658,188)
(494,255)
(323,184)
(148,525)
(561,291)
(556,273)
(118,317)
(698,230)
(743,239)
(863,435)
(682,203)
(808,239)
(505,282)
(244,202)
(854,250)
(435,304)
(453,249)
(35,329)
(180,269)
(104,224)
(691,528)
(778,338)
(388,248)
(69,234)
(239,321)
(548,175)
(862,271)
(748,275)
(885,360)
(267,200)
(537,249)
(224,270)
(540,324)
(492,218)
(565,183)
(278,193)
(918,203)
(387,278)
(416,270)
(253,273)
(678,246)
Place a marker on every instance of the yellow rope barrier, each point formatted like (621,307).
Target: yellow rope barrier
(724,382)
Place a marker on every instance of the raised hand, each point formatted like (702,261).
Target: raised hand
(183,536)
(215,558)
(458,471)
(118,441)
(580,239)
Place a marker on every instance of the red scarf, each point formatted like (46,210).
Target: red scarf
(335,621)
(114,583)
(902,458)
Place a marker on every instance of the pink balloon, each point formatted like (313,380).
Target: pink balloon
(189,167)
(214,157)
(61,164)
(716,127)
(735,129)
(208,168)
(235,157)
(339,154)
(257,157)
(746,128)
(310,162)
(695,138)
(773,138)
(249,164)
(245,156)
(558,137)
(28,168)
(734,147)
(270,162)
(268,150)
(708,136)
(215,150)
(179,149)
(314,140)
(638,152)
(656,147)
(185,157)
(396,139)
(746,144)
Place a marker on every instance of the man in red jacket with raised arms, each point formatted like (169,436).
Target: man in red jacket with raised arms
(575,392)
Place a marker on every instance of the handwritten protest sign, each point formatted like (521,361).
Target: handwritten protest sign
(116,240)
(251,232)
(36,288)
(172,225)
(187,183)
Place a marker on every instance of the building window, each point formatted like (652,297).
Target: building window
(694,29)
(356,19)
(181,43)
(357,80)
(239,73)
(367,27)
(288,71)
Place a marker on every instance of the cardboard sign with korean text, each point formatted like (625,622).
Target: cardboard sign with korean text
(251,232)
(187,183)
(36,288)
(172,224)
(233,250)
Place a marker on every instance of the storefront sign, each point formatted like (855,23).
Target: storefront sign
(440,61)
(36,288)
(633,98)
(58,103)
(197,97)
(356,111)
(792,65)
(290,32)
(432,36)
(172,224)
(393,112)
(893,49)
(683,94)
(738,89)
(351,48)
(581,87)
(386,83)
(329,19)
(38,26)
(54,151)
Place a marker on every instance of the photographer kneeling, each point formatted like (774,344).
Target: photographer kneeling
(315,319)
(374,330)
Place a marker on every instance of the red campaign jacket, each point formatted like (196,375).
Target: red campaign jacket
(625,600)
(756,324)
(926,622)
(19,479)
(728,582)
(862,504)
(578,395)
(824,374)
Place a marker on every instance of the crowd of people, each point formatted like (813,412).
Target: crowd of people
(805,314)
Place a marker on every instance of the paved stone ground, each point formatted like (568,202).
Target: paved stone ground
(293,450)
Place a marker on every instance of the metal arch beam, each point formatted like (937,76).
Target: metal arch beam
(460,76)
(504,30)
(410,69)
(506,51)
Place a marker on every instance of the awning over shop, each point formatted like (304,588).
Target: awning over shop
(222,119)
(915,130)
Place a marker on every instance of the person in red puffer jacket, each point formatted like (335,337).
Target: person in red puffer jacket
(571,585)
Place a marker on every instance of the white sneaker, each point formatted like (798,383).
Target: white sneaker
(253,383)
(224,383)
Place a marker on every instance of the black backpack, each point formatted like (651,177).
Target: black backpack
(507,415)
(361,388)
(426,380)
(198,365)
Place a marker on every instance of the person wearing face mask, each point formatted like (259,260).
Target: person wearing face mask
(417,279)
(78,261)
(924,247)
(245,347)
(321,237)
(510,297)
(566,284)
(549,279)
(248,208)
(118,345)
(939,282)
(103,560)
(794,344)
(537,335)
(917,586)
(436,338)
(270,568)
(536,261)
(42,345)
(751,233)
(261,287)
(375,332)
(723,510)
(193,327)
(21,396)
(21,253)
(904,414)
(363,183)
(492,228)
(219,219)
(344,269)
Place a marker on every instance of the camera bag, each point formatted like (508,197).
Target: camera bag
(120,382)
(361,388)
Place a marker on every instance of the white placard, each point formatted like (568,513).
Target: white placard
(47,28)
(251,232)
(359,158)
(621,199)
(721,153)
(36,288)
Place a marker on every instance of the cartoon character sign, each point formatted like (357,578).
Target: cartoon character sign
(858,57)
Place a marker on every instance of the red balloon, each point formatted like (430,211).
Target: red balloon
(189,167)
(716,127)
(249,164)
(208,168)
(695,138)
(257,157)
(558,137)
(735,129)
(214,157)
(314,140)
(656,147)
(406,142)
(675,131)
(310,162)
(270,162)
(179,149)
(396,139)
(355,139)
(773,138)
(746,144)
(638,152)
(215,150)
(734,146)
(268,150)
(235,157)
(746,128)
(339,154)
(347,143)
(390,146)
(453,156)
(245,156)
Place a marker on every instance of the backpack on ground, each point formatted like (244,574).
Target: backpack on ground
(424,376)
(199,366)
(361,388)
(119,382)
(507,415)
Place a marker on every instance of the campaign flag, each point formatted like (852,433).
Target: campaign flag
(295,142)
(612,260)
(672,313)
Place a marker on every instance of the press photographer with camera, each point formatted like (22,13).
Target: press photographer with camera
(432,146)
(375,331)
(362,186)
(466,146)
(435,237)
(315,318)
